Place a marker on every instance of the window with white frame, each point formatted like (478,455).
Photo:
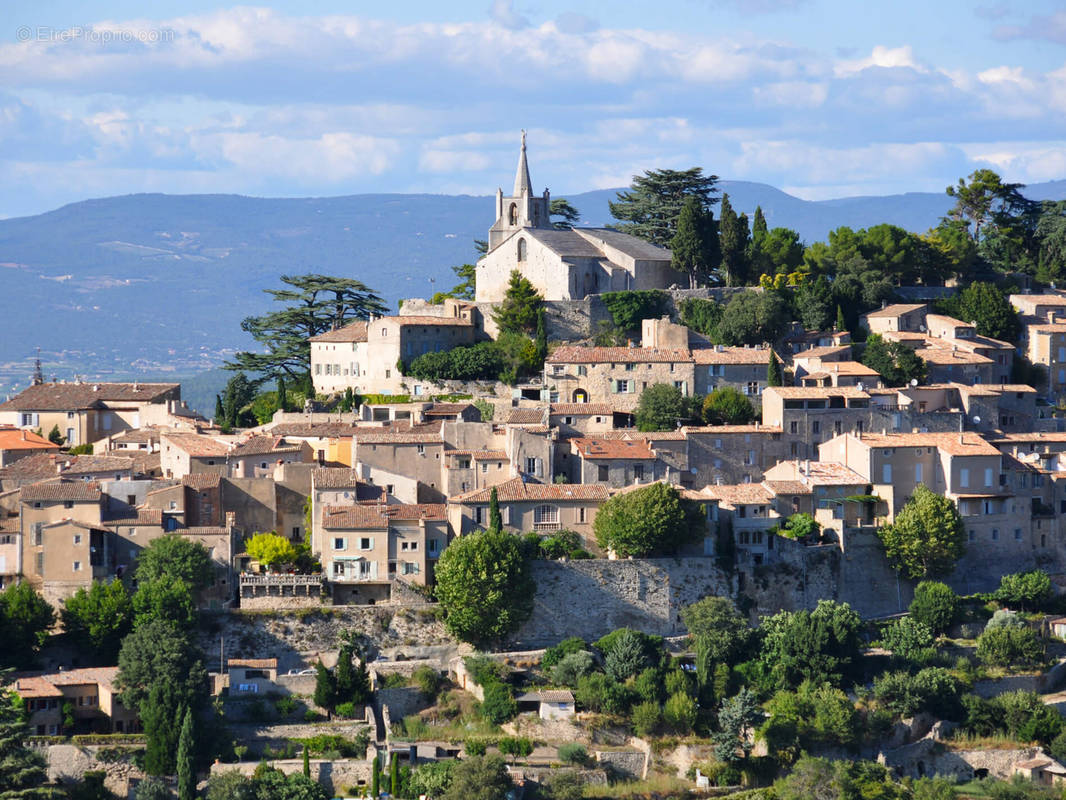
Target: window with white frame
(546,515)
(340,543)
(366,543)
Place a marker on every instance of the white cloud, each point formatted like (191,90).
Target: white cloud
(884,57)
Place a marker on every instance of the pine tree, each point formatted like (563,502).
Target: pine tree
(495,517)
(774,377)
(307,763)
(520,307)
(541,339)
(283,395)
(54,436)
(22,770)
(185,766)
(733,238)
(695,243)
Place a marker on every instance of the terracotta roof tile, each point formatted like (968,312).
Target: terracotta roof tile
(610,449)
(575,354)
(252,663)
(12,438)
(956,444)
(263,445)
(195,445)
(143,516)
(88,491)
(740,494)
(315,430)
(516,491)
(358,517)
(895,310)
(76,396)
(525,416)
(431,433)
(580,409)
(353,332)
(732,355)
(109,463)
(202,480)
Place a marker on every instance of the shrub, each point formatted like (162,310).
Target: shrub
(499,705)
(1024,590)
(932,689)
(649,686)
(348,710)
(285,705)
(628,309)
(573,753)
(679,681)
(568,671)
(680,712)
(553,655)
(1004,618)
(1009,646)
(428,681)
(909,639)
(647,717)
(597,692)
(935,605)
(475,747)
(484,670)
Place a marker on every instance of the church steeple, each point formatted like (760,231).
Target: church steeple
(522,183)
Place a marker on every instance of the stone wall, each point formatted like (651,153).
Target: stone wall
(626,763)
(402,702)
(335,776)
(68,763)
(928,757)
(593,597)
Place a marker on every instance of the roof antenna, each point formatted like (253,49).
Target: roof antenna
(38,375)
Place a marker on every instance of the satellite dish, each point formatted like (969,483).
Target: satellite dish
(914,381)
(976,420)
(694,471)
(859,386)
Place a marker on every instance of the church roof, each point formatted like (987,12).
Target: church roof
(522,183)
(630,245)
(564,243)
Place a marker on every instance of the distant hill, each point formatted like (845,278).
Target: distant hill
(158,284)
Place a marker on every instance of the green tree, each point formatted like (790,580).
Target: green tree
(694,246)
(566,785)
(484,585)
(220,412)
(701,316)
(987,305)
(927,536)
(432,778)
(628,309)
(774,374)
(1010,645)
(270,549)
(568,215)
(626,657)
(520,309)
(394,776)
(162,716)
(375,777)
(733,238)
(186,767)
(841,324)
(325,695)
(23,774)
(780,251)
(757,263)
(479,778)
(662,407)
(819,646)
(718,627)
(466,289)
(984,201)
(176,557)
(283,395)
(498,705)
(753,318)
(495,516)
(238,394)
(933,689)
(541,338)
(814,303)
(314,304)
(1027,591)
(727,406)
(651,519)
(98,618)
(650,208)
(737,715)
(680,712)
(55,437)
(896,363)
(909,639)
(25,619)
(165,598)
(935,604)
(647,717)
(307,762)
(152,788)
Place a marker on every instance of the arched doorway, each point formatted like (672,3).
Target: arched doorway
(580,396)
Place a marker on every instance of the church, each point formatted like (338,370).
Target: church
(563,264)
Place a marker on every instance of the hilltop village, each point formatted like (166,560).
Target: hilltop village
(570,530)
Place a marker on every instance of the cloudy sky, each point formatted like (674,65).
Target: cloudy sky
(823,98)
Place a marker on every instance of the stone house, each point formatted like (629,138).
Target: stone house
(541,508)
(1044,344)
(582,419)
(1044,307)
(365,548)
(413,451)
(339,358)
(742,368)
(91,693)
(88,412)
(550,704)
(563,264)
(330,442)
(251,675)
(259,456)
(1043,770)
(16,443)
(616,463)
(896,317)
(800,340)
(182,454)
(615,376)
(731,453)
(748,512)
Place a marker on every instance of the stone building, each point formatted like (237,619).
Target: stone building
(91,693)
(563,264)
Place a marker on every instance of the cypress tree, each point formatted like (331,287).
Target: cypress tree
(733,242)
(692,246)
(495,517)
(325,689)
(186,769)
(283,396)
(394,775)
(842,324)
(375,777)
(757,259)
(343,676)
(774,377)
(541,340)
(307,763)
(360,684)
(220,413)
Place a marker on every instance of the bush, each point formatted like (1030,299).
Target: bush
(647,717)
(484,670)
(482,361)
(597,692)
(909,639)
(1010,646)
(1025,590)
(932,689)
(935,605)
(499,705)
(680,712)
(428,681)
(348,710)
(568,671)
(553,655)
(629,309)
(475,747)
(649,686)
(573,753)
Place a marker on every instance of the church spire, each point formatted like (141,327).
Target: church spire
(522,183)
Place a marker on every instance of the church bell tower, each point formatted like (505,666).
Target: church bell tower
(521,209)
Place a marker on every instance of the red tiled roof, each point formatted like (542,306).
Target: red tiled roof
(354,517)
(601,449)
(263,445)
(76,396)
(354,332)
(62,490)
(516,491)
(195,445)
(12,438)
(525,416)
(731,355)
(252,663)
(110,463)
(575,354)
(579,409)
(201,480)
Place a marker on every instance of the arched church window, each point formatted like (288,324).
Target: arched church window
(521,249)
(513,214)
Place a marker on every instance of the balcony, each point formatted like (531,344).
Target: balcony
(547,526)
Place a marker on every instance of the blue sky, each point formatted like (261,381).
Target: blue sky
(823,98)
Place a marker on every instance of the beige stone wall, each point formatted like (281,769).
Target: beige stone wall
(599,382)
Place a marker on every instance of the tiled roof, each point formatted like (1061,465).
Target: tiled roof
(731,355)
(564,243)
(315,430)
(489,455)
(827,352)
(39,465)
(137,436)
(847,368)
(1047,327)
(417,319)
(814,473)
(86,464)
(525,416)
(142,516)
(75,396)
(575,354)
(788,487)
(546,696)
(446,409)
(417,511)
(815,392)
(354,517)
(195,445)
(601,449)
(201,480)
(740,493)
(895,310)
(625,243)
(12,438)
(353,332)
(415,434)
(252,663)
(34,686)
(579,409)
(948,355)
(202,530)
(516,491)
(46,684)
(712,430)
(88,491)
(956,444)
(263,445)
(1040,299)
(1030,436)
